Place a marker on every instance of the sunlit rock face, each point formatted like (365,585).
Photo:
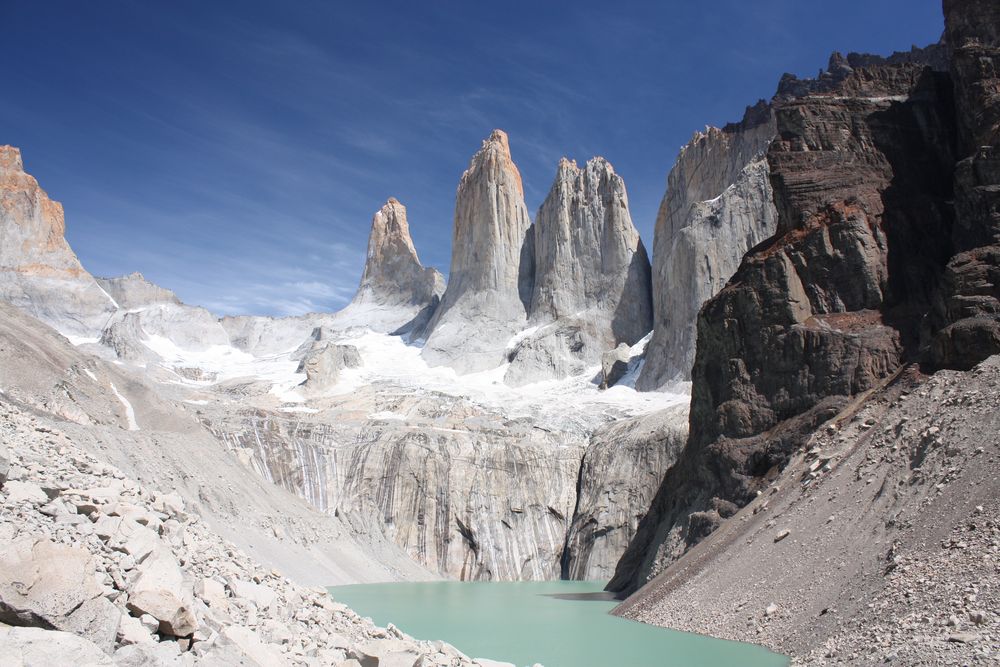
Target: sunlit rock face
(470,490)
(134,291)
(490,280)
(39,273)
(966,316)
(718,205)
(396,289)
(591,283)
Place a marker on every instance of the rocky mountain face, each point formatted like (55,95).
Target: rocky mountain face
(317,406)
(393,278)
(718,205)
(466,489)
(134,291)
(967,307)
(833,304)
(38,271)
(548,298)
(861,550)
(591,276)
(489,283)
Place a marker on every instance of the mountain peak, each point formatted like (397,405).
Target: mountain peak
(393,273)
(10,159)
(500,139)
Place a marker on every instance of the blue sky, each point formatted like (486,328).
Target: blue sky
(236,151)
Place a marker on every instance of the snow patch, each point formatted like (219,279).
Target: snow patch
(133,425)
(77,341)
(299,408)
(387,414)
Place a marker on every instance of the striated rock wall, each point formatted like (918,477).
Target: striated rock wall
(489,283)
(591,281)
(619,475)
(830,306)
(464,489)
(718,205)
(462,492)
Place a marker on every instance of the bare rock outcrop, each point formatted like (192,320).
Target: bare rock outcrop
(134,291)
(323,363)
(394,282)
(826,309)
(718,205)
(489,283)
(618,476)
(39,273)
(591,276)
(966,316)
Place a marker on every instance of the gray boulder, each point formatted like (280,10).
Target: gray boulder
(322,365)
(161,591)
(36,647)
(53,586)
(614,365)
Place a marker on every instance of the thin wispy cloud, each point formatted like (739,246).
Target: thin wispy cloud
(237,157)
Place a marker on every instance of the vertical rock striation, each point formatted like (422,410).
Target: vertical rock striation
(831,305)
(718,205)
(489,283)
(39,273)
(591,282)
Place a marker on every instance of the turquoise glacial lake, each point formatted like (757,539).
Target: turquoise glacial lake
(524,623)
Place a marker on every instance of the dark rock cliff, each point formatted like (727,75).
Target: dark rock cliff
(883,169)
(966,315)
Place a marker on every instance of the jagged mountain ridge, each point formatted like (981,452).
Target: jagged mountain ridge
(318,404)
(878,210)
(825,309)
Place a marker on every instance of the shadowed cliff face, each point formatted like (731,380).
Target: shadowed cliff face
(966,315)
(831,305)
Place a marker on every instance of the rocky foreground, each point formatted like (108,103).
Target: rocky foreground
(878,544)
(97,569)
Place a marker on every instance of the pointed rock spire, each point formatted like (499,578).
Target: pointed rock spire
(393,274)
(592,278)
(489,284)
(588,255)
(32,226)
(39,273)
